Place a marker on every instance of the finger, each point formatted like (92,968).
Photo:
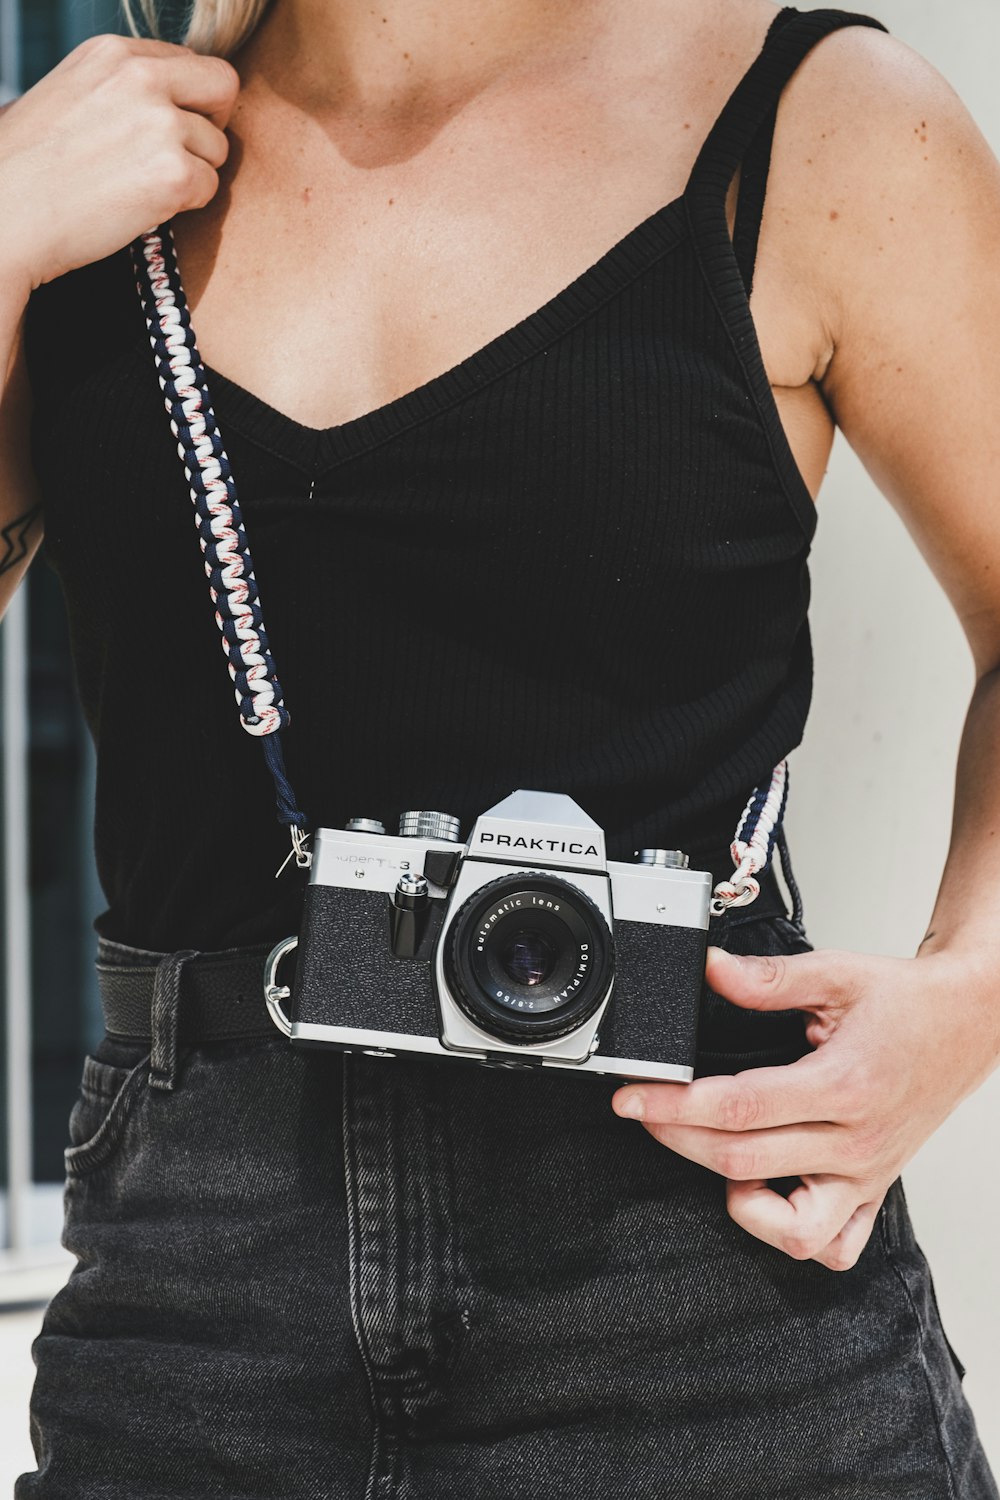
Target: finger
(124,45)
(781,981)
(208,85)
(804,1223)
(204,139)
(198,187)
(792,1151)
(844,1250)
(191,79)
(757,1099)
(152,46)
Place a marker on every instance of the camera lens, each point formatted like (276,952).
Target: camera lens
(529,957)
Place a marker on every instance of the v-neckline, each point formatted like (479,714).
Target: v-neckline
(315,450)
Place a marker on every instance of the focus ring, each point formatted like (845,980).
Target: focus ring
(465,970)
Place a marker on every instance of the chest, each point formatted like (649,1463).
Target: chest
(332,276)
(593,480)
(336,270)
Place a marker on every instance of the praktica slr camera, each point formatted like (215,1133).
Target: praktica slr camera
(524,947)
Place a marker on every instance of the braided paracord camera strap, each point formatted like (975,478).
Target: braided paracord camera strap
(217,509)
(234,588)
(754,842)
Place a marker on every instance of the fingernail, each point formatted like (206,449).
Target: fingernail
(729,958)
(632,1106)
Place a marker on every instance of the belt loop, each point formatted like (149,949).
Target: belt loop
(165,1018)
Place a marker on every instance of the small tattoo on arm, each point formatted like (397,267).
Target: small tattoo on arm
(14,537)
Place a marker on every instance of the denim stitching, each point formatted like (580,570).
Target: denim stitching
(97,1150)
(890,1257)
(350,1179)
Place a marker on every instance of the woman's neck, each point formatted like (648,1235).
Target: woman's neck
(388,57)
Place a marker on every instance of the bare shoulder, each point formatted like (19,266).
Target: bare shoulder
(880,174)
(885,223)
(873,106)
(855,60)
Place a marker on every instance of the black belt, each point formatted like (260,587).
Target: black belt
(222,993)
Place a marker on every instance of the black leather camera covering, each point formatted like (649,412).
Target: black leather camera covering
(347,975)
(653,1015)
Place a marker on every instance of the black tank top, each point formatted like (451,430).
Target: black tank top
(576,562)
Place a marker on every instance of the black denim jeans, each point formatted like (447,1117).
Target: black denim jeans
(308,1277)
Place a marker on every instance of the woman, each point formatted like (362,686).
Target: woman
(525,511)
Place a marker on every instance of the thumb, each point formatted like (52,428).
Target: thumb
(769,982)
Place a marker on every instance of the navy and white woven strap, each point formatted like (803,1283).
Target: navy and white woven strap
(217,510)
(754,843)
(234,588)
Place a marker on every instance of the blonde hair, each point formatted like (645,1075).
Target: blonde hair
(214,26)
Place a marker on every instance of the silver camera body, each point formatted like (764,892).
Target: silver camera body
(524,946)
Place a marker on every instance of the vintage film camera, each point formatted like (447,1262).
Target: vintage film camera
(523,947)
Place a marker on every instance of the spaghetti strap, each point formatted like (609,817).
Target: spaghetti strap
(753,179)
(750,201)
(742,134)
(741,138)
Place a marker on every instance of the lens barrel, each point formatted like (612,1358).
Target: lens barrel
(529,957)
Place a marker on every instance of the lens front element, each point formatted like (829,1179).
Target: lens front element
(530,957)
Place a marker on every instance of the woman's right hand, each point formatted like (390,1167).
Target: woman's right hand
(119,136)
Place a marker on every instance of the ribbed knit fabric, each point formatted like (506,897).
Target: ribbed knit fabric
(576,562)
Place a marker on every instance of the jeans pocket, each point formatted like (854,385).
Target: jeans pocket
(109,1094)
(732,1037)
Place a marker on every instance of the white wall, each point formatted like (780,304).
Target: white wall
(871,788)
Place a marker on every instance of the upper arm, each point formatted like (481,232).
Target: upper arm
(906,227)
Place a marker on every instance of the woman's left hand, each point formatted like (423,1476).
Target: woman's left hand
(899,1042)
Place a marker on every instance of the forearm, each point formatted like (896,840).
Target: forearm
(964,919)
